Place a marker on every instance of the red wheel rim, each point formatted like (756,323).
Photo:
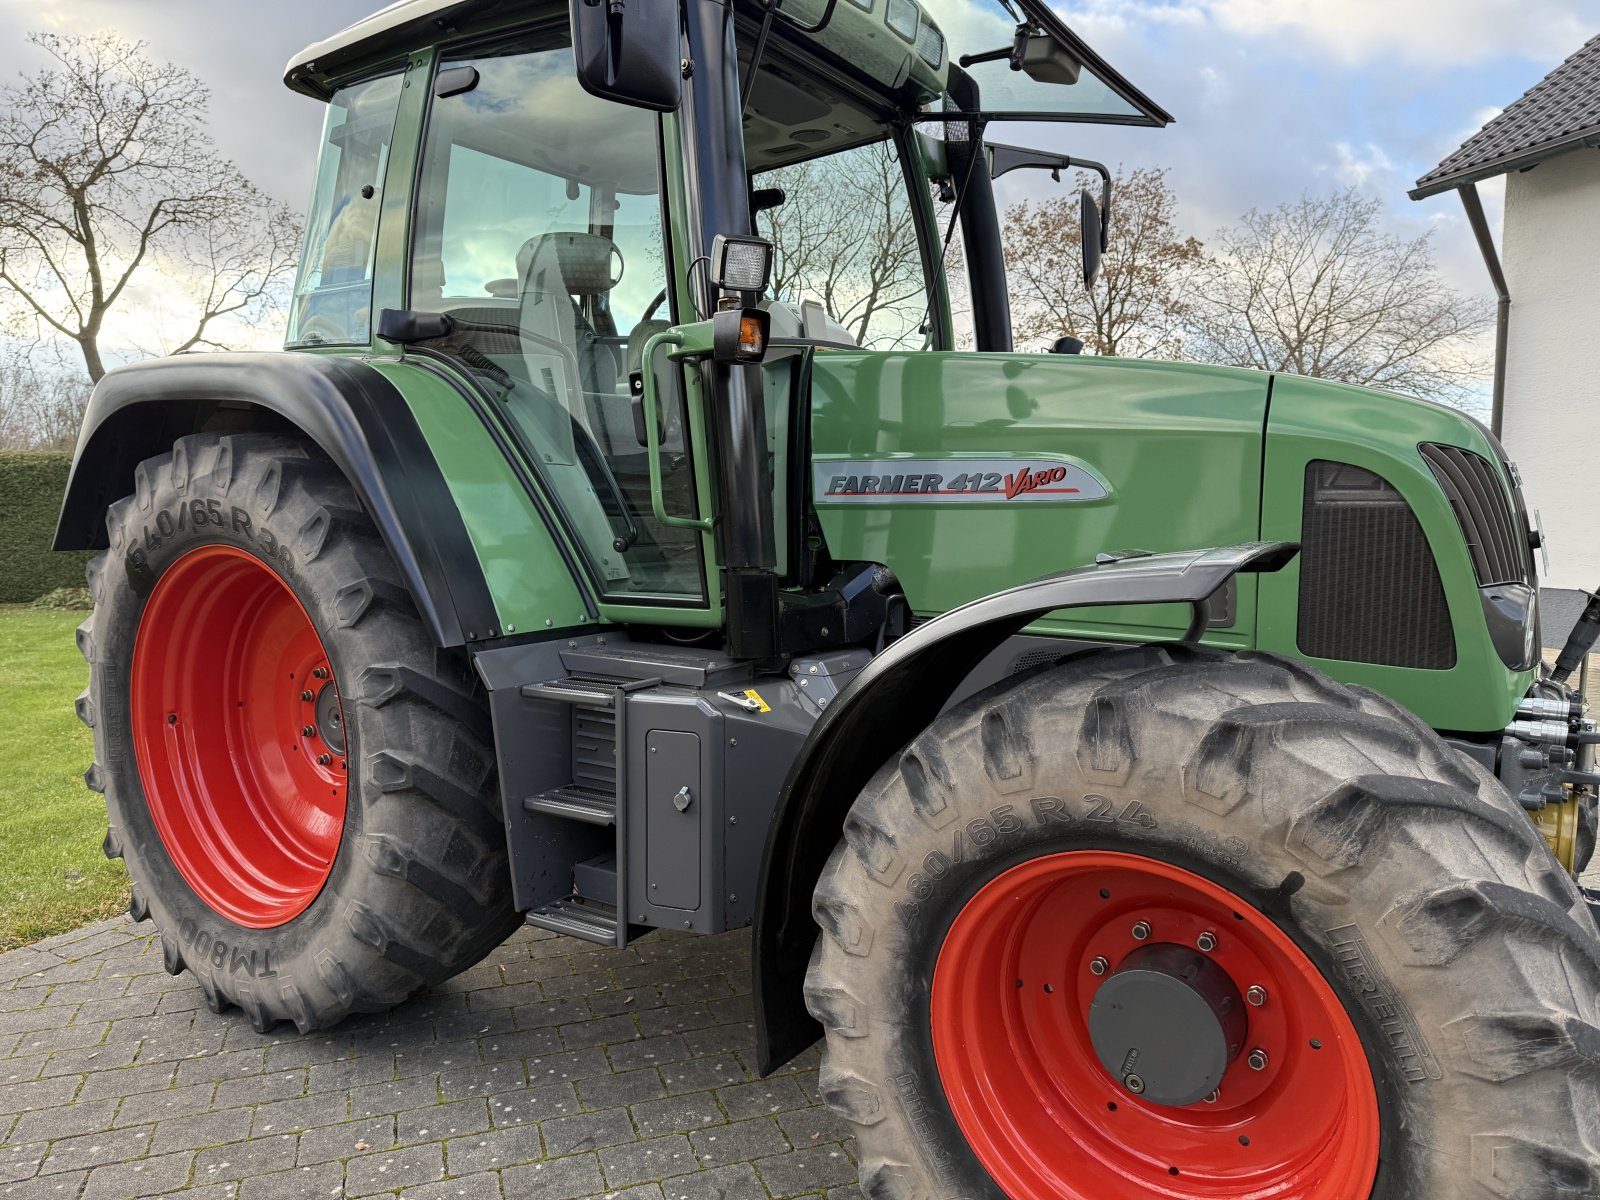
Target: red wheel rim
(228,675)
(1011,996)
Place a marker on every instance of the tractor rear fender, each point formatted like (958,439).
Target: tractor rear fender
(899,693)
(352,412)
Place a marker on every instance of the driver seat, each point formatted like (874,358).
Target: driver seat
(555,273)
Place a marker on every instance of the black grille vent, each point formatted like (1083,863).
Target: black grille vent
(1499,552)
(594,749)
(1369,589)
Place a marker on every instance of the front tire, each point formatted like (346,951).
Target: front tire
(302,786)
(1426,1021)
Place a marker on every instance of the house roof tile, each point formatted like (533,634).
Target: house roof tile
(1559,113)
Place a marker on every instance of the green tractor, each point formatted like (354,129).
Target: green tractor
(590,560)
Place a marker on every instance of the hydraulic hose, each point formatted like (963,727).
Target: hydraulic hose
(1579,642)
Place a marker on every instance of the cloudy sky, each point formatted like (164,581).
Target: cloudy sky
(1271,97)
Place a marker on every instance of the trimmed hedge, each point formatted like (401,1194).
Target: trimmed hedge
(31,485)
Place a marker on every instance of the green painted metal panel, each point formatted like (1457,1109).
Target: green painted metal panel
(1315,419)
(1177,449)
(527,577)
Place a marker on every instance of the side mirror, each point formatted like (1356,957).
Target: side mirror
(628,52)
(1089,220)
(1043,59)
(1096,220)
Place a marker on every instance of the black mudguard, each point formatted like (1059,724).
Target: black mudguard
(899,693)
(352,412)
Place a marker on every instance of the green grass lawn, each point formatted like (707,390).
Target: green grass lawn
(53,876)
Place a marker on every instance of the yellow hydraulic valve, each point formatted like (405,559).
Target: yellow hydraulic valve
(1559,824)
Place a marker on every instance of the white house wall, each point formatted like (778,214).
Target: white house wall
(1552,406)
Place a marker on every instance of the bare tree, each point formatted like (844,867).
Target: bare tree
(41,400)
(1317,287)
(845,236)
(107,172)
(1138,305)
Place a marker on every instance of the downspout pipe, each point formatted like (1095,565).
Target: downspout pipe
(1502,321)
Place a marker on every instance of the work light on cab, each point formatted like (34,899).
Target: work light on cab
(742,266)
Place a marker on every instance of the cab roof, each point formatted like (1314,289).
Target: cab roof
(386,32)
(405,25)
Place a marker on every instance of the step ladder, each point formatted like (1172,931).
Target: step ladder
(580,822)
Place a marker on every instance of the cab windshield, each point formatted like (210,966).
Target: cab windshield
(847,261)
(841,193)
(839,184)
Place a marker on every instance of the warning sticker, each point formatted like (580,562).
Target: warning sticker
(755,696)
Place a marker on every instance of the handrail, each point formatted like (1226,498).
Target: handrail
(652,433)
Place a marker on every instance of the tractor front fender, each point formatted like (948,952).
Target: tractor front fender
(353,413)
(897,696)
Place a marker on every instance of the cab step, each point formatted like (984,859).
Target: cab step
(577,920)
(575,803)
(594,693)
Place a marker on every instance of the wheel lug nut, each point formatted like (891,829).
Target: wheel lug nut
(321,672)
(308,731)
(324,759)
(1207,941)
(307,695)
(1133,1083)
(1141,931)
(1257,995)
(1098,965)
(1212,1098)
(1257,1059)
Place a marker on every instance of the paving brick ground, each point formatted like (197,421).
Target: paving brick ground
(553,1071)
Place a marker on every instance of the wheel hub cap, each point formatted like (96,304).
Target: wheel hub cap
(330,719)
(1167,1023)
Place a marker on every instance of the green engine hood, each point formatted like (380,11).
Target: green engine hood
(967,473)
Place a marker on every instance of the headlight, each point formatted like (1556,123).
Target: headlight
(902,17)
(1512,613)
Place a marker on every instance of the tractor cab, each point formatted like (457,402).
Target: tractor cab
(511,206)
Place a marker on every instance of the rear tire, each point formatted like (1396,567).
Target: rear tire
(399,878)
(1424,901)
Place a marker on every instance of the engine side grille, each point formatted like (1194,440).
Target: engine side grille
(1369,588)
(1499,552)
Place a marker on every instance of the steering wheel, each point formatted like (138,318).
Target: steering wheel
(661,298)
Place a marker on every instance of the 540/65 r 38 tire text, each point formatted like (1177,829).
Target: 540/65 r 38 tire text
(1169,923)
(301,784)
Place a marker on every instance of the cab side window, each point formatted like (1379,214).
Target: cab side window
(332,303)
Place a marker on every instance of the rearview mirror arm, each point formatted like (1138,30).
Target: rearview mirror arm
(1012,53)
(1004,159)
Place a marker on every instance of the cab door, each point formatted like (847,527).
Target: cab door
(540,229)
